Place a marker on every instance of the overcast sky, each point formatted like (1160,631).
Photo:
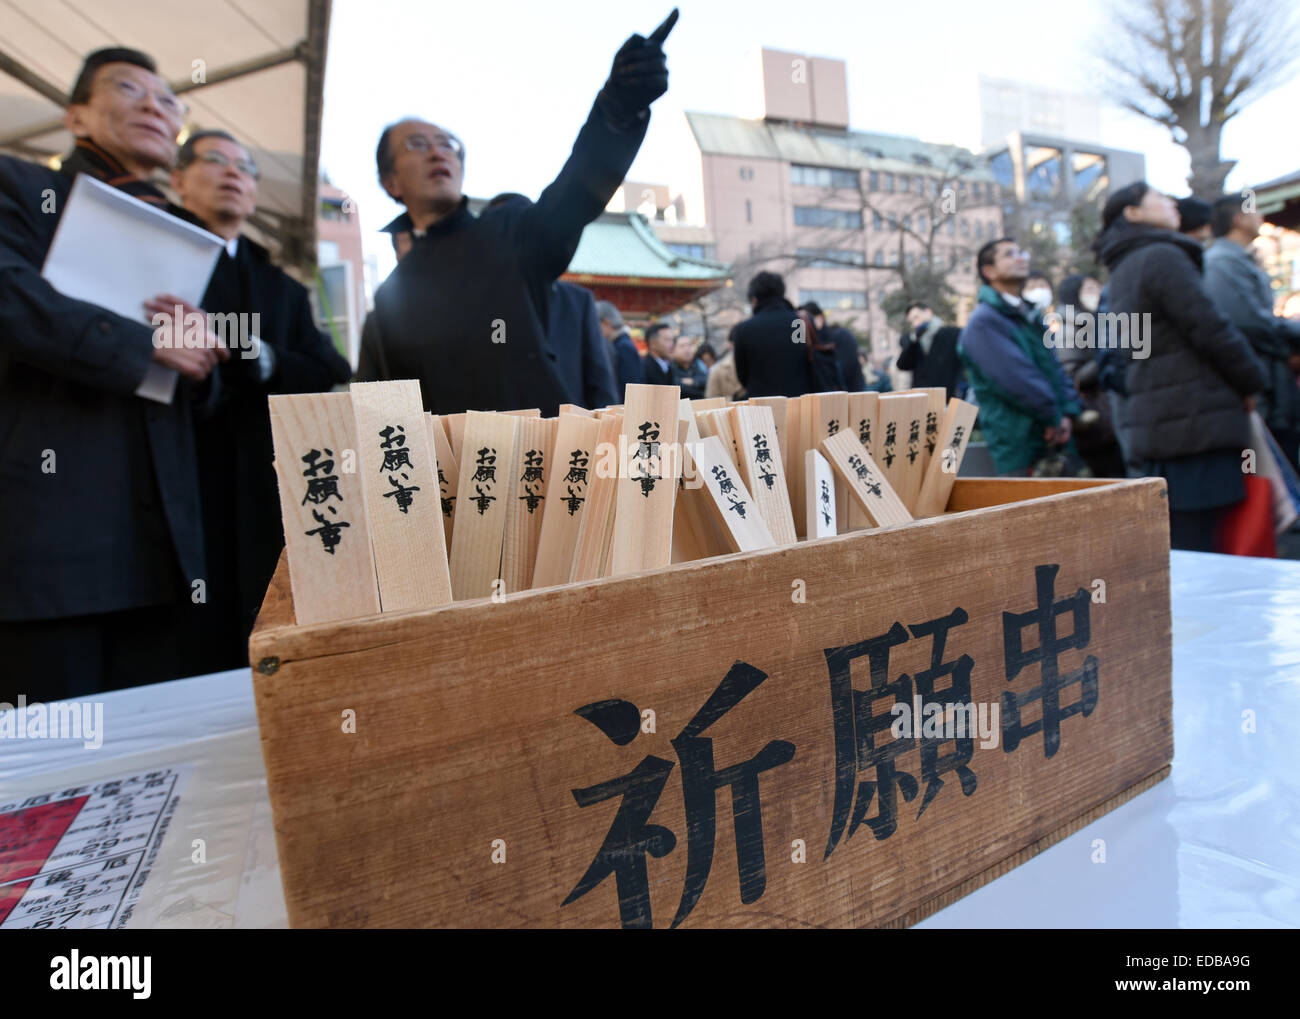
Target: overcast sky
(516,81)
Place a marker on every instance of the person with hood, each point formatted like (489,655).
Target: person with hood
(1192,380)
(1094,435)
(1027,402)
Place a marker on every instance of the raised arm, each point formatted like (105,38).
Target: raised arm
(602,154)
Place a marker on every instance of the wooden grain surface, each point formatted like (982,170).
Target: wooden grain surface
(566,497)
(824,415)
(646,491)
(865,481)
(864,413)
(489,452)
(902,416)
(448,475)
(777,405)
(399,474)
(941,470)
(732,504)
(596,530)
(765,470)
(526,502)
(468,731)
(323,506)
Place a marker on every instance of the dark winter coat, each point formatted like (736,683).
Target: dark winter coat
(1240,290)
(1021,388)
(940,365)
(466,311)
(99,498)
(628,369)
(583,353)
(241,502)
(768,360)
(1186,397)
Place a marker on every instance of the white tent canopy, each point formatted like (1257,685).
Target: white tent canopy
(255,69)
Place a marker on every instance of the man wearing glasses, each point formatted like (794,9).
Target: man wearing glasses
(466,309)
(100,531)
(275,347)
(1027,402)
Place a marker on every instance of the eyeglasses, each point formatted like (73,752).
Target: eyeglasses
(425,143)
(133,91)
(245,166)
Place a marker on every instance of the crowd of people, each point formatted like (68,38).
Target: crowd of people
(138,537)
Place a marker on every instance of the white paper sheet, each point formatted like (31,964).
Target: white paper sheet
(116,251)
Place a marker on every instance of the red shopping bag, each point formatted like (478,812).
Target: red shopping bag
(1247,528)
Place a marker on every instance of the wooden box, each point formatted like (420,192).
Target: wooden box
(717,743)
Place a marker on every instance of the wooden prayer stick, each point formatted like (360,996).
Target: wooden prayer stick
(643,519)
(399,474)
(946,462)
(765,470)
(326,525)
(448,476)
(820,495)
(596,531)
(867,483)
(573,468)
(481,503)
(742,525)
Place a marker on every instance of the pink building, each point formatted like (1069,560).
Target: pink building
(847,217)
(339,292)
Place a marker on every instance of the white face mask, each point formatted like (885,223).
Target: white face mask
(1088,301)
(1039,297)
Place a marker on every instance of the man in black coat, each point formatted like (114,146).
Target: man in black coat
(771,349)
(101,541)
(658,366)
(1190,377)
(276,348)
(466,310)
(929,350)
(580,349)
(626,358)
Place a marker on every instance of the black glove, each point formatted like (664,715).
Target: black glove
(639,77)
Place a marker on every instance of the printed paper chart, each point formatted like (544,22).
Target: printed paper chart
(79,856)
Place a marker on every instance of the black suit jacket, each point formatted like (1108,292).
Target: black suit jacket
(583,353)
(656,376)
(768,361)
(99,503)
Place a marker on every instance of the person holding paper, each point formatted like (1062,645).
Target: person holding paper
(465,311)
(275,347)
(101,540)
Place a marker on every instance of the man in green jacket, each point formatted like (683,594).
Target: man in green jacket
(1027,402)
